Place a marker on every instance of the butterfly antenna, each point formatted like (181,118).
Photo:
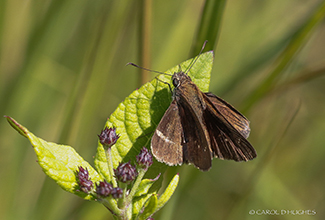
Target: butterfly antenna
(193,61)
(154,71)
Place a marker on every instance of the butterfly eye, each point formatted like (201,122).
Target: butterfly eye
(175,82)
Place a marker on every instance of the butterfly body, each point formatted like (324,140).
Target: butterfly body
(199,126)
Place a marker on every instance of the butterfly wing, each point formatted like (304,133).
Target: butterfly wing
(196,142)
(196,147)
(226,141)
(167,139)
(234,117)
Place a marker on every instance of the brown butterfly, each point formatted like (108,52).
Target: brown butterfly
(199,126)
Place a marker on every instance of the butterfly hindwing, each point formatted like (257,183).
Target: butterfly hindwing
(234,117)
(226,141)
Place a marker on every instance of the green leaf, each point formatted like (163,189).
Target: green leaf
(145,186)
(138,115)
(153,205)
(150,208)
(168,192)
(60,162)
(138,204)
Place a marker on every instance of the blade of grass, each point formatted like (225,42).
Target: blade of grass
(144,55)
(286,57)
(210,26)
(261,59)
(302,77)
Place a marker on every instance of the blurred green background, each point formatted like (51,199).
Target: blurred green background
(62,69)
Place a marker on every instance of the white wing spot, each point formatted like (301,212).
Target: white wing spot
(162,136)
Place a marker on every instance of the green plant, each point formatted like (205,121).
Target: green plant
(62,72)
(114,182)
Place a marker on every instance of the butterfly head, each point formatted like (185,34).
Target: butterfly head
(180,77)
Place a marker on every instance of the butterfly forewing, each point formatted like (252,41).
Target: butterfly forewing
(196,147)
(168,137)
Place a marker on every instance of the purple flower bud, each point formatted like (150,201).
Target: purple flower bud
(125,172)
(117,193)
(83,179)
(108,137)
(144,158)
(150,218)
(104,189)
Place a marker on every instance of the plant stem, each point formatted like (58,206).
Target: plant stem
(111,205)
(135,186)
(110,166)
